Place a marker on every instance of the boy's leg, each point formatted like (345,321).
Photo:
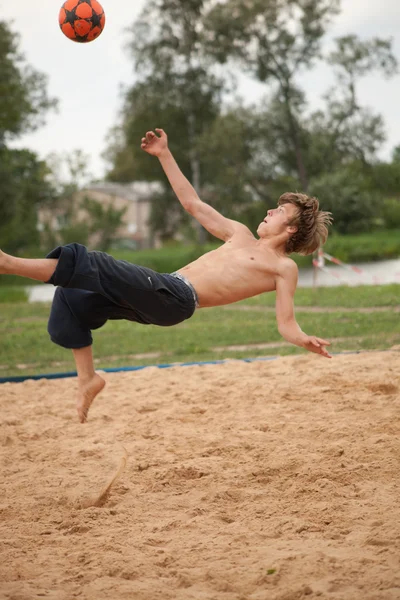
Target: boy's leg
(74,313)
(72,266)
(89,383)
(149,297)
(129,291)
(40,269)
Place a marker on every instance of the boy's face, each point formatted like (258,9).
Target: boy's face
(277,221)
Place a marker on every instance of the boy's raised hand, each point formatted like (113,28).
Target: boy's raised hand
(155,144)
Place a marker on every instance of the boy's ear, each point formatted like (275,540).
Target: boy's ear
(292,229)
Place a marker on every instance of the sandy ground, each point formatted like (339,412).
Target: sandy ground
(275,480)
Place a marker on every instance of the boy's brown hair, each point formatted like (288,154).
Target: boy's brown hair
(312,223)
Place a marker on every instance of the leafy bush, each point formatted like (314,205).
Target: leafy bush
(365,247)
(343,193)
(391,213)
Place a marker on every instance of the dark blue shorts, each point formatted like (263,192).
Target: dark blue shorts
(94,287)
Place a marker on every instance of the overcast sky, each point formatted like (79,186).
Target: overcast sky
(86,78)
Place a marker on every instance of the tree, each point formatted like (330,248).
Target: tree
(354,130)
(23,90)
(274,40)
(175,86)
(24,188)
(24,185)
(104,221)
(244,153)
(242,158)
(346,194)
(384,179)
(70,175)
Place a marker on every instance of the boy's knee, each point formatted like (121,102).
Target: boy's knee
(63,327)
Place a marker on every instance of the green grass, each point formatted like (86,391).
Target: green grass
(26,349)
(362,296)
(12,294)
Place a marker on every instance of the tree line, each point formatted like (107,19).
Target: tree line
(240,156)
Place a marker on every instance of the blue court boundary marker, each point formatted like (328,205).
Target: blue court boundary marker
(21,378)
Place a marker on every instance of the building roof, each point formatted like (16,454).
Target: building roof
(136,191)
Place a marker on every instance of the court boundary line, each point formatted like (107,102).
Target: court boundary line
(21,378)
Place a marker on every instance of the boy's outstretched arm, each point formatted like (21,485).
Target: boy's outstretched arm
(211,219)
(288,327)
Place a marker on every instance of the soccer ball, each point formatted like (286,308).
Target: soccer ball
(82,20)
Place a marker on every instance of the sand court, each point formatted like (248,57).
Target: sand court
(275,480)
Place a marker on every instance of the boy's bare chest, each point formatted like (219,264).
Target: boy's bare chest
(249,258)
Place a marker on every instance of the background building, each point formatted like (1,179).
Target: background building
(134,231)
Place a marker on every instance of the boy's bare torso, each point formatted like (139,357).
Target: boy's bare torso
(240,268)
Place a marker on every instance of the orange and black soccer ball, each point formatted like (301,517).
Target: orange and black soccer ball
(82,20)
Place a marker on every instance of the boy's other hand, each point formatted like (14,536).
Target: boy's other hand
(155,144)
(317,345)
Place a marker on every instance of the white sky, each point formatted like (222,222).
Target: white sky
(86,78)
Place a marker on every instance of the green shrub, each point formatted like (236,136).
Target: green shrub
(345,195)
(391,213)
(380,245)
(12,295)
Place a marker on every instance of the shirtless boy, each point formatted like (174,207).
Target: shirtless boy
(93,287)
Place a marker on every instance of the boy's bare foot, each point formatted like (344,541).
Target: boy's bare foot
(87,392)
